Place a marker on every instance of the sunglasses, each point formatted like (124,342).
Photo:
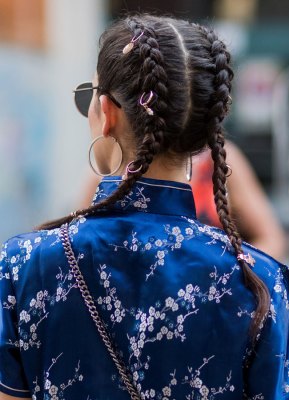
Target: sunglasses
(83,96)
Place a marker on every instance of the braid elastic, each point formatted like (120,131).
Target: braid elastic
(217,112)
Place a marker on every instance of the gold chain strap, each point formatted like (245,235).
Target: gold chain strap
(64,236)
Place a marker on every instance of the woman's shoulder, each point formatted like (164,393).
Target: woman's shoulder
(27,243)
(270,270)
(223,254)
(21,250)
(28,249)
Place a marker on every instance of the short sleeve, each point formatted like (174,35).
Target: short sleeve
(267,375)
(12,378)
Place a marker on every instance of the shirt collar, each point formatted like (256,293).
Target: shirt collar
(151,196)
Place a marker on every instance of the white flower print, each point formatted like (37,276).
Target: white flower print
(280,290)
(150,327)
(160,247)
(25,248)
(54,391)
(277,288)
(166,391)
(10,303)
(24,316)
(16,260)
(176,230)
(162,322)
(38,311)
(215,234)
(99,194)
(136,198)
(175,236)
(47,384)
(110,302)
(198,389)
(195,381)
(12,300)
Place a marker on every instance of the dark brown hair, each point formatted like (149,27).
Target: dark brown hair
(188,69)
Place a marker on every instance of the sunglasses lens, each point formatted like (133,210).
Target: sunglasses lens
(83,97)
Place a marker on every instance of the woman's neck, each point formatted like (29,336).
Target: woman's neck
(164,169)
(159,171)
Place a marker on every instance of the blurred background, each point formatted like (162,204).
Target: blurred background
(47,47)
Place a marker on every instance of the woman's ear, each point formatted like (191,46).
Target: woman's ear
(109,116)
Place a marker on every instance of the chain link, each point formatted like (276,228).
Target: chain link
(64,236)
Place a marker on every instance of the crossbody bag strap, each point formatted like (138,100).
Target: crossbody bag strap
(64,236)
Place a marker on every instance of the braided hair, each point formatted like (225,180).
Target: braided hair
(188,69)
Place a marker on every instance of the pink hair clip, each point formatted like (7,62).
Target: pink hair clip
(144,103)
(247,258)
(128,48)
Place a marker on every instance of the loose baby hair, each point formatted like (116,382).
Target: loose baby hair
(187,68)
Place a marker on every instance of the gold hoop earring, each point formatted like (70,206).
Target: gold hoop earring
(104,156)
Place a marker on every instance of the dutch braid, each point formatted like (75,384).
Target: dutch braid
(216,141)
(153,77)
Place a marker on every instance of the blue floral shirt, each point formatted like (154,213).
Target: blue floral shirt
(169,290)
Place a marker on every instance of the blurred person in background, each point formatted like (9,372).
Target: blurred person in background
(133,296)
(249,205)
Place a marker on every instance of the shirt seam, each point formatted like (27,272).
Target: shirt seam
(121,210)
(150,184)
(16,390)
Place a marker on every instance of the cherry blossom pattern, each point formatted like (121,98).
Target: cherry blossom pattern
(201,391)
(167,322)
(17,260)
(215,234)
(279,290)
(4,257)
(54,391)
(110,302)
(99,195)
(26,247)
(285,360)
(136,199)
(173,239)
(73,229)
(198,390)
(159,247)
(38,311)
(10,303)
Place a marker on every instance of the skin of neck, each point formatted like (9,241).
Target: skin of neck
(113,122)
(163,167)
